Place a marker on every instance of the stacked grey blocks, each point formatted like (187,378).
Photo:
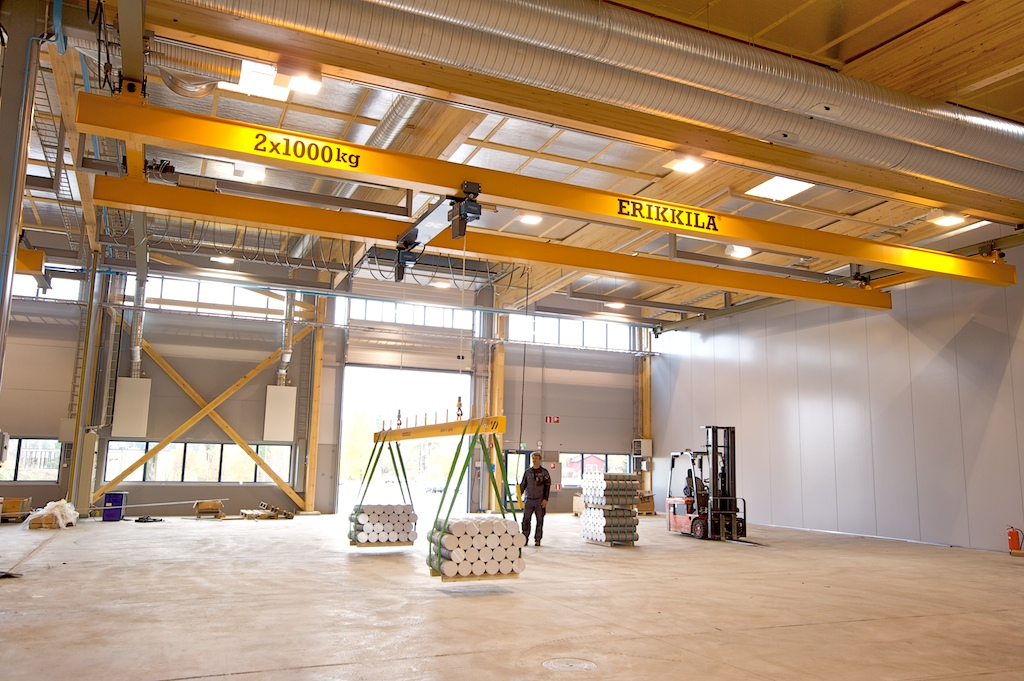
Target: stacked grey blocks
(610,513)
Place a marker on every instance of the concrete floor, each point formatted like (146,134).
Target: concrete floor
(290,600)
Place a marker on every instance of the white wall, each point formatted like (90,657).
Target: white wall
(899,424)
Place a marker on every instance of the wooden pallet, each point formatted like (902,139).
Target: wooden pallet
(610,543)
(210,509)
(473,578)
(265,514)
(15,509)
(1017,553)
(379,543)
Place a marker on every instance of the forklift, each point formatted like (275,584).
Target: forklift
(709,507)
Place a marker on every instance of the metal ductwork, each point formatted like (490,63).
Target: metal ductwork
(138,314)
(383,136)
(188,71)
(287,338)
(596,51)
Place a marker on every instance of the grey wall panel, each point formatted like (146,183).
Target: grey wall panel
(892,437)
(727,374)
(37,385)
(702,386)
(590,392)
(936,405)
(753,460)
(330,408)
(1015,327)
(671,409)
(784,415)
(851,419)
(817,447)
(992,466)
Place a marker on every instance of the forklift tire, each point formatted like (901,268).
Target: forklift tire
(698,529)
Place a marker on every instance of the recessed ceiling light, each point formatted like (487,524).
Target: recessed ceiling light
(734,251)
(686,165)
(779,188)
(222,259)
(530,219)
(441,284)
(615,306)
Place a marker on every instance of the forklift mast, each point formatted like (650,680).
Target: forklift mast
(709,507)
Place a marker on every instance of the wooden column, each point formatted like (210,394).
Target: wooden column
(496,399)
(313,438)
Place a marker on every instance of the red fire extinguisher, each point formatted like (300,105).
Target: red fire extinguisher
(1015,537)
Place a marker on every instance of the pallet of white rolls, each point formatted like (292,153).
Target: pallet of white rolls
(609,516)
(467,549)
(382,525)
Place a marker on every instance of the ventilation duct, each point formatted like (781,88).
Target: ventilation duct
(138,315)
(287,337)
(595,51)
(191,64)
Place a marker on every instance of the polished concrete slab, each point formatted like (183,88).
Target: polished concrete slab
(290,600)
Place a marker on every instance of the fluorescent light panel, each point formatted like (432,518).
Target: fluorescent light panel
(530,219)
(257,80)
(734,251)
(779,188)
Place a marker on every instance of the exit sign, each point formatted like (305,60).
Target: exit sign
(552,419)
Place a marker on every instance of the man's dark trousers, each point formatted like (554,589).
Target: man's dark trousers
(529,508)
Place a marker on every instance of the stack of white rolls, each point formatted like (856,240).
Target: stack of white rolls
(477,547)
(382,524)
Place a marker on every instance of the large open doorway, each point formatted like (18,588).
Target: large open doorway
(371,400)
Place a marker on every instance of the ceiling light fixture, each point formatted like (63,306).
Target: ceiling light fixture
(441,284)
(257,80)
(779,188)
(299,77)
(530,219)
(222,259)
(941,218)
(685,164)
(734,251)
(615,306)
(250,173)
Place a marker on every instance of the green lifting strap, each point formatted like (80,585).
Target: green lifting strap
(401,462)
(394,467)
(496,443)
(436,544)
(371,468)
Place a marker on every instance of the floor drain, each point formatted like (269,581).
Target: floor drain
(569,664)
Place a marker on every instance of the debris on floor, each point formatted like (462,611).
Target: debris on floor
(15,509)
(266,512)
(213,509)
(56,515)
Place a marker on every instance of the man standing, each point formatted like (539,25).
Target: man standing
(536,486)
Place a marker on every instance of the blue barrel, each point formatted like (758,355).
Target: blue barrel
(113,505)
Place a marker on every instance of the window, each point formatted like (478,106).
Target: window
(31,461)
(408,313)
(575,465)
(60,289)
(196,462)
(577,333)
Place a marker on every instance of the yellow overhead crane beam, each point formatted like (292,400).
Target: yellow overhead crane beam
(138,122)
(487,425)
(183,202)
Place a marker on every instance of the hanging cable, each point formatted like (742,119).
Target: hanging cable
(522,389)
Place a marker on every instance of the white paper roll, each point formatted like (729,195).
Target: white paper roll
(480,541)
(491,567)
(519,540)
(485,554)
(413,535)
(465,541)
(392,536)
(471,528)
(505,567)
(472,554)
(505,540)
(465,569)
(479,568)
(493,540)
(518,565)
(498,554)
(485,526)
